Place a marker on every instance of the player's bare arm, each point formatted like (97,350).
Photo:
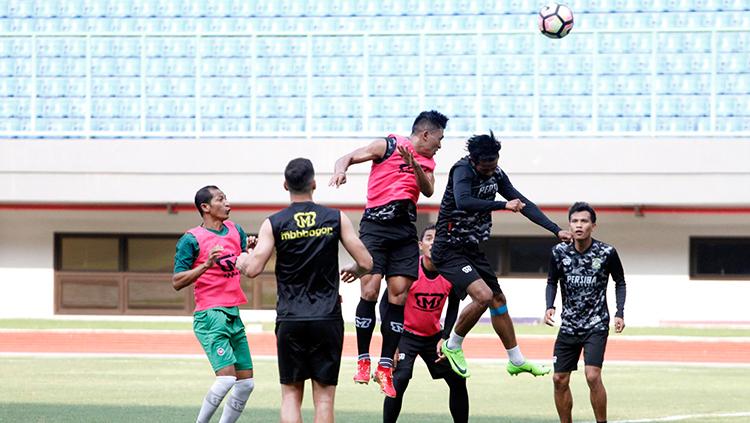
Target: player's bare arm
(425,180)
(373,151)
(362,258)
(182,279)
(252,264)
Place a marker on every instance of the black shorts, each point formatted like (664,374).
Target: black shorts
(568,350)
(463,264)
(394,247)
(410,346)
(309,350)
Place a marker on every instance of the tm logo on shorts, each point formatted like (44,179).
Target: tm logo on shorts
(466,269)
(397,327)
(220,351)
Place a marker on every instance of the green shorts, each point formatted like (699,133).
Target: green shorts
(222,335)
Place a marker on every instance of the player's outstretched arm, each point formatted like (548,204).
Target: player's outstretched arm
(375,150)
(252,264)
(362,258)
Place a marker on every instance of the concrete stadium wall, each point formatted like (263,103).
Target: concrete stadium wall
(654,250)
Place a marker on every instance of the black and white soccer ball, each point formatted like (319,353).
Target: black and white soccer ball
(555,20)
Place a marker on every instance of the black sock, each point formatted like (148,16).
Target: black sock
(364,321)
(391,328)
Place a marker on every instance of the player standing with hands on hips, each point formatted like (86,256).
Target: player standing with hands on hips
(583,269)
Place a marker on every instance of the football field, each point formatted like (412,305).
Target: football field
(70,388)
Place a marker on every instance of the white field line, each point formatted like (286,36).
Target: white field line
(684,417)
(353,358)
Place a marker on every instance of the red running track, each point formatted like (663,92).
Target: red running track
(692,350)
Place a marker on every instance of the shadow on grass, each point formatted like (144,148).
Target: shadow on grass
(43,413)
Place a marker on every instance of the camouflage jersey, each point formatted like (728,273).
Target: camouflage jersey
(465,216)
(584,277)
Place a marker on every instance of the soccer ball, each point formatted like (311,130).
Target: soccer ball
(555,20)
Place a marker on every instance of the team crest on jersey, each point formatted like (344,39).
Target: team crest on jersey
(596,263)
(220,351)
(566,261)
(305,219)
(428,301)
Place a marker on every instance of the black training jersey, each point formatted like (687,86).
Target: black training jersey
(307,266)
(584,277)
(465,215)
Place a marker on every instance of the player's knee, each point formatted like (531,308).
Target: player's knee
(369,294)
(242,390)
(219,389)
(484,299)
(498,300)
(594,379)
(561,381)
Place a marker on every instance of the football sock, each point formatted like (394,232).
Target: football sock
(237,400)
(515,356)
(391,329)
(213,398)
(455,341)
(364,321)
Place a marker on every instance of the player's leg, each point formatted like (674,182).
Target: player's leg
(567,350)
(364,319)
(324,347)
(212,332)
(593,357)
(563,397)
(294,368)
(291,402)
(243,367)
(458,398)
(401,376)
(392,324)
(364,322)
(402,268)
(467,319)
(597,392)
(323,398)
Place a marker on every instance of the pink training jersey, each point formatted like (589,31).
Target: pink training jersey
(392,180)
(424,304)
(219,286)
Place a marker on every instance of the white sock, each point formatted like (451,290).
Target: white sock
(515,356)
(213,398)
(236,402)
(455,341)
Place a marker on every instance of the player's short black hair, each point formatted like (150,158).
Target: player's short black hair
(204,195)
(430,121)
(582,206)
(430,227)
(299,175)
(483,148)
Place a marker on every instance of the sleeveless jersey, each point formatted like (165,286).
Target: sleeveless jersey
(307,238)
(219,286)
(424,304)
(391,180)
